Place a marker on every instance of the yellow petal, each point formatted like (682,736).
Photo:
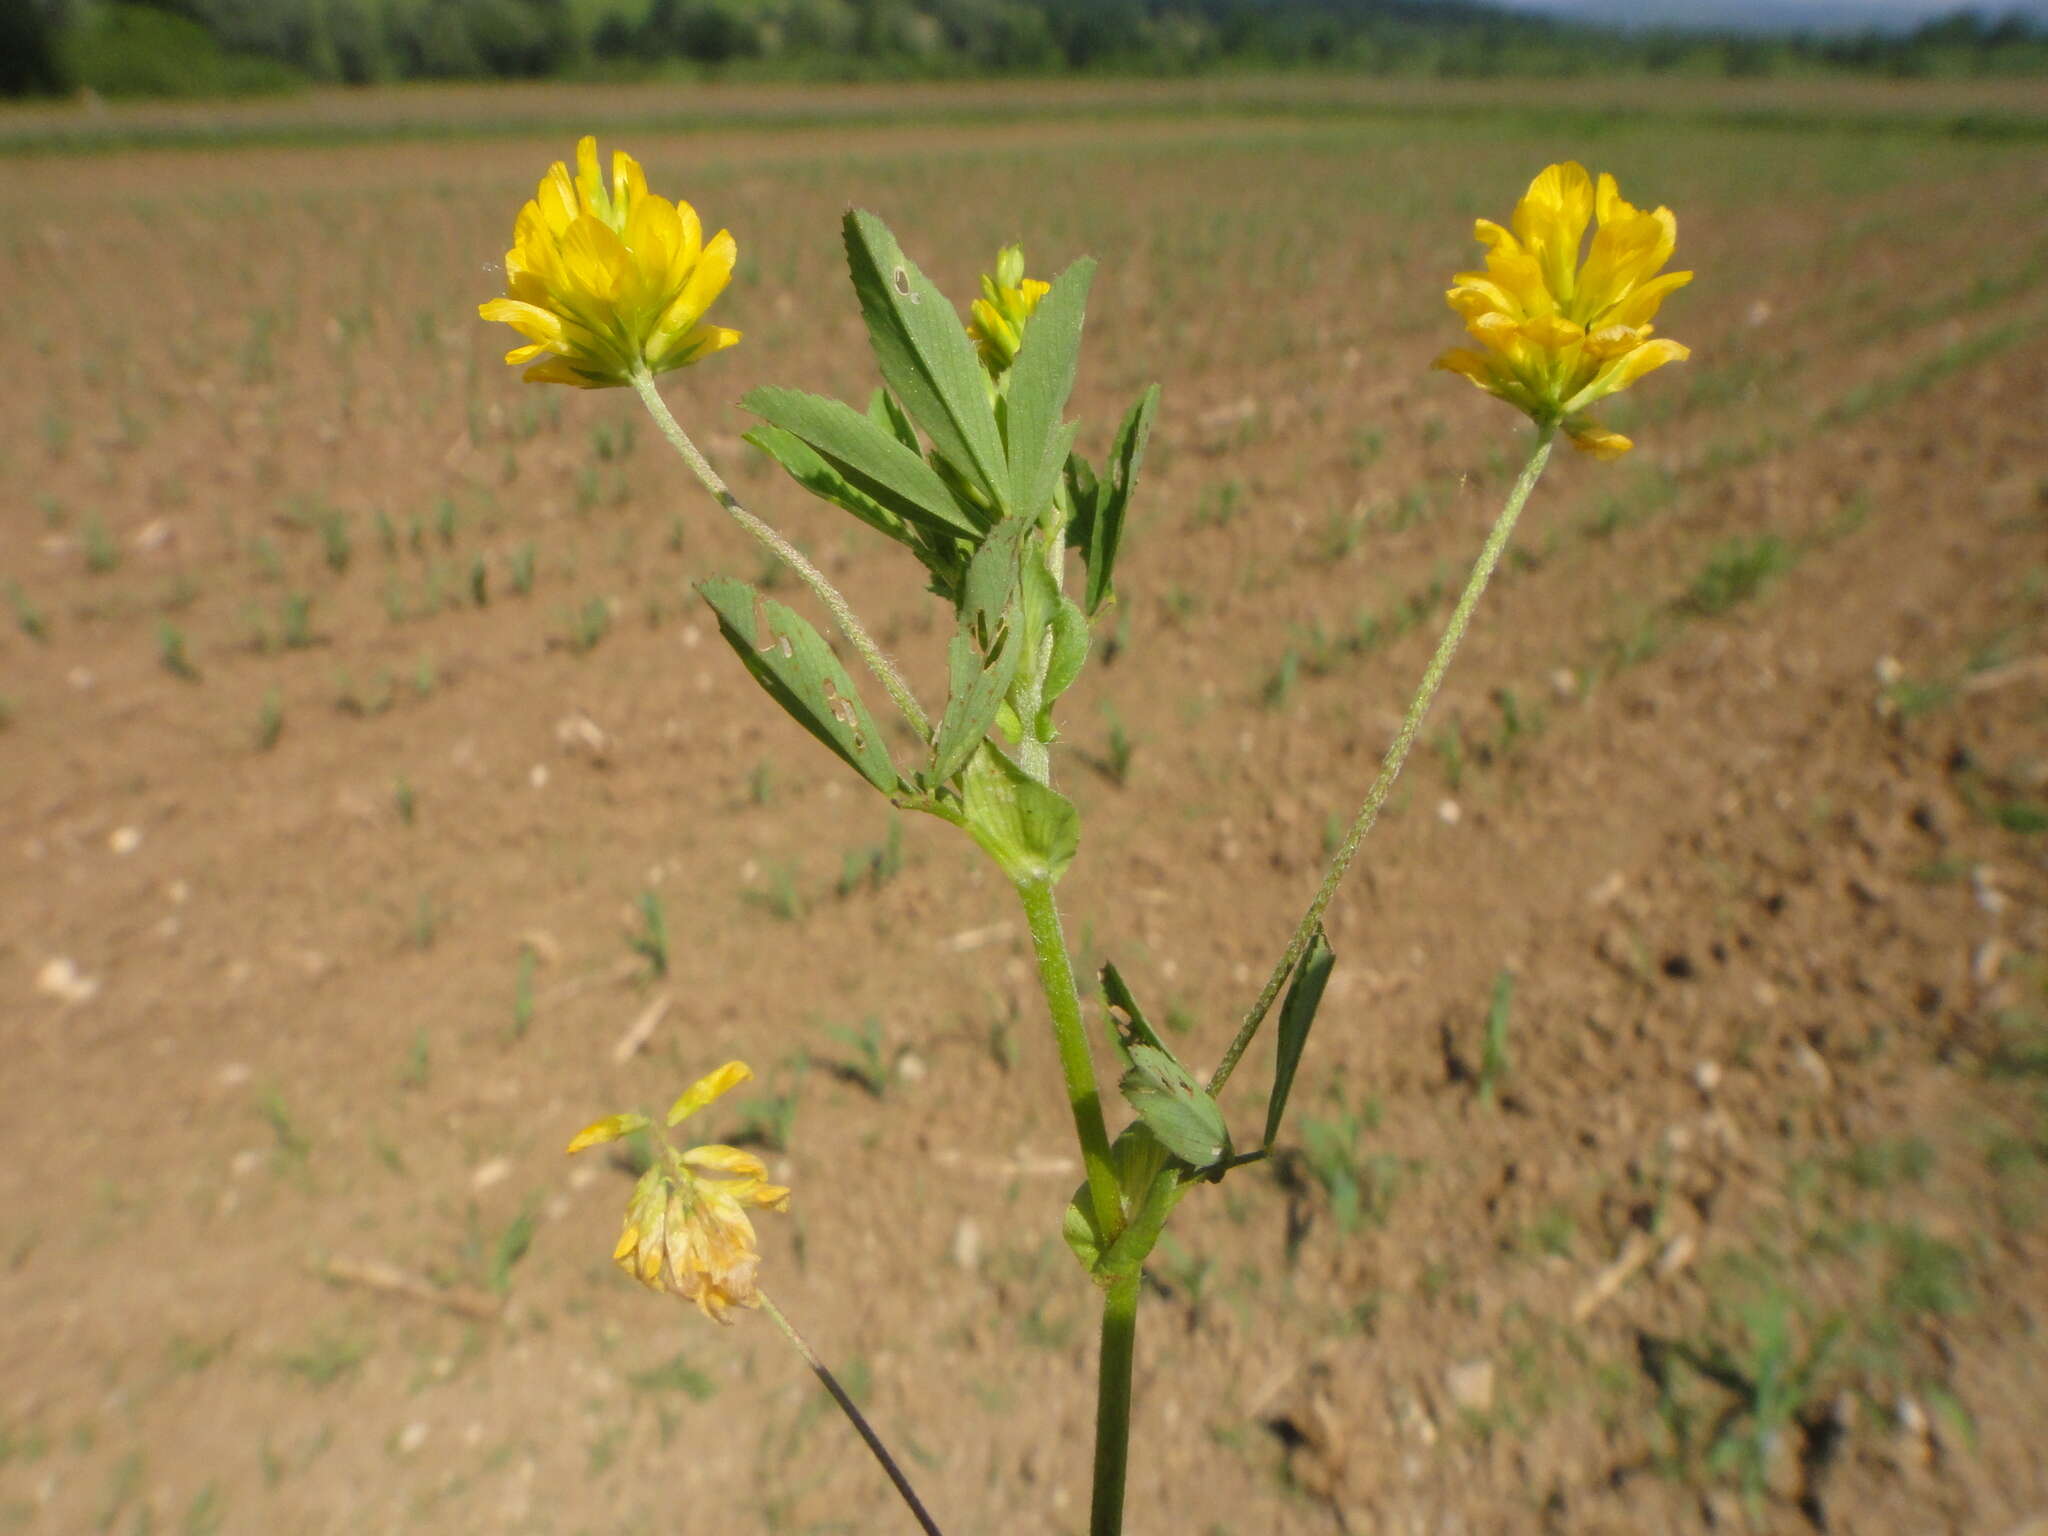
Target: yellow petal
(1553,332)
(589,181)
(610,1128)
(1550,221)
(718,1158)
(560,371)
(629,182)
(540,326)
(653,232)
(1613,340)
(708,1087)
(1591,437)
(1493,237)
(706,282)
(1639,307)
(1476,366)
(1624,370)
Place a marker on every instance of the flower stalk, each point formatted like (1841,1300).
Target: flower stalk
(821,586)
(1397,755)
(855,1417)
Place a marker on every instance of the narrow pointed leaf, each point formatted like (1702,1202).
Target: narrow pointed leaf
(1113,498)
(924,354)
(793,663)
(884,412)
(1133,1027)
(978,688)
(1297,1013)
(816,474)
(866,453)
(991,583)
(1038,385)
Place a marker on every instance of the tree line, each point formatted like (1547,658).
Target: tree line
(198,47)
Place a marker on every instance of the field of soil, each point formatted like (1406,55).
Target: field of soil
(378,804)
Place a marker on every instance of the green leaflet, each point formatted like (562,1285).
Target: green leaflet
(865,453)
(1168,1099)
(1134,1026)
(1069,654)
(1177,1108)
(1036,388)
(1297,1013)
(1097,528)
(816,474)
(924,354)
(792,662)
(977,694)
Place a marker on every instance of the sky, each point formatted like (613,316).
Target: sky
(1777,15)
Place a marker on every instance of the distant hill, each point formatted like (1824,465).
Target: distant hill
(214,47)
(1819,18)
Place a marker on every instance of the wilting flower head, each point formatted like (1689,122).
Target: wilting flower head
(1007,299)
(1558,334)
(686,1229)
(610,280)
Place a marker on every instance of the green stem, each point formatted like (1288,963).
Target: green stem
(1077,1066)
(1113,1404)
(1390,768)
(854,1416)
(788,553)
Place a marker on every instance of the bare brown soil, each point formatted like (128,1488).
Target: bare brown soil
(319,875)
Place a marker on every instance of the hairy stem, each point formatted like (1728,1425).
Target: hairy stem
(1397,754)
(834,601)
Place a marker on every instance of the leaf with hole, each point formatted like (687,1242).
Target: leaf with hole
(792,662)
(924,354)
(978,687)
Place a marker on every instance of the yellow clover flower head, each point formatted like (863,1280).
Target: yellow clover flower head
(1007,299)
(1558,334)
(686,1228)
(610,280)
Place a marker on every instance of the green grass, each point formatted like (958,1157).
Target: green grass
(1495,1060)
(866,1063)
(27,616)
(172,653)
(873,867)
(780,897)
(522,995)
(1736,572)
(650,940)
(584,628)
(330,1356)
